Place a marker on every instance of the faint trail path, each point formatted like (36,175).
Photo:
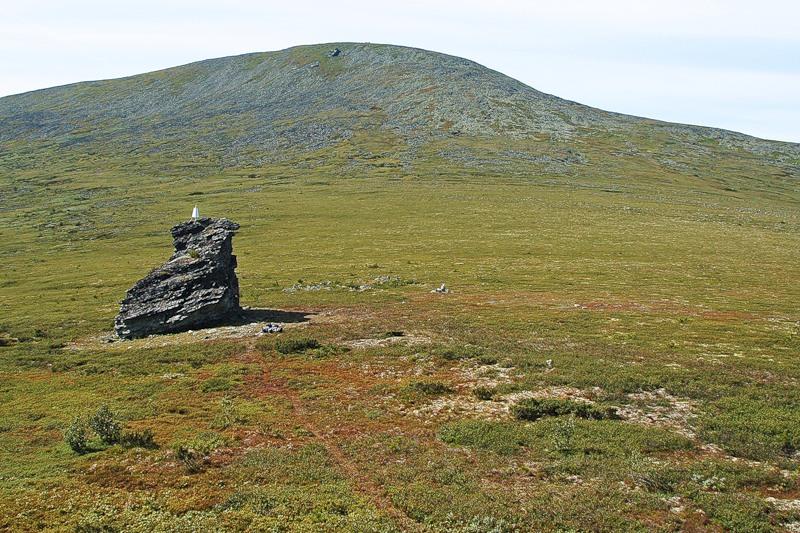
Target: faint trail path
(363,483)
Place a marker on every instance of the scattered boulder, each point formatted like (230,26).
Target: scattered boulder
(196,288)
(334,53)
(441,290)
(7,340)
(272,328)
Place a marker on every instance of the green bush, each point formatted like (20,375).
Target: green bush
(260,502)
(563,434)
(736,512)
(108,428)
(480,524)
(105,424)
(77,435)
(534,409)
(138,439)
(295,345)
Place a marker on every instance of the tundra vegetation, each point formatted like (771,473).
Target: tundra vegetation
(619,349)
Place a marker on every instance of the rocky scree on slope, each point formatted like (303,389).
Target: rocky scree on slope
(297,95)
(369,109)
(255,108)
(197,287)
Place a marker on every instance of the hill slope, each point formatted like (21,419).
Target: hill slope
(256,109)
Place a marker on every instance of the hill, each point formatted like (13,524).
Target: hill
(618,349)
(373,105)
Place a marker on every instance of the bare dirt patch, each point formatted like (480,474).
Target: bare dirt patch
(408,340)
(250,325)
(652,408)
(659,408)
(499,407)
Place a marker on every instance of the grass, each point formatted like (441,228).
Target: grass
(629,276)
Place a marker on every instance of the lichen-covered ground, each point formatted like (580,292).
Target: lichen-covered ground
(681,314)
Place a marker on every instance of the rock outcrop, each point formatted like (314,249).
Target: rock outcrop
(197,287)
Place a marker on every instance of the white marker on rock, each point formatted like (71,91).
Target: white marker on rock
(195,213)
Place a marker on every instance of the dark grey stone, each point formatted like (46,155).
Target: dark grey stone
(196,288)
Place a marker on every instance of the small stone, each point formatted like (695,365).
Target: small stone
(441,290)
(272,328)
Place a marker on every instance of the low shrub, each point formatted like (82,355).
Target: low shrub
(534,409)
(138,439)
(77,435)
(106,425)
(656,480)
(261,503)
(753,428)
(563,434)
(483,524)
(108,429)
(295,345)
(330,350)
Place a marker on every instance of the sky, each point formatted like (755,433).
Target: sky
(730,64)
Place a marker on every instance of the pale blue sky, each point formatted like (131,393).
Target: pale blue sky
(731,64)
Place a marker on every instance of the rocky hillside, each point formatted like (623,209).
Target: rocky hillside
(359,104)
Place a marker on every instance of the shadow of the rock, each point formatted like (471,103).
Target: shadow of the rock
(249,316)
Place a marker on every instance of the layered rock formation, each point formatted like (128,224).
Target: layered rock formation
(197,287)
